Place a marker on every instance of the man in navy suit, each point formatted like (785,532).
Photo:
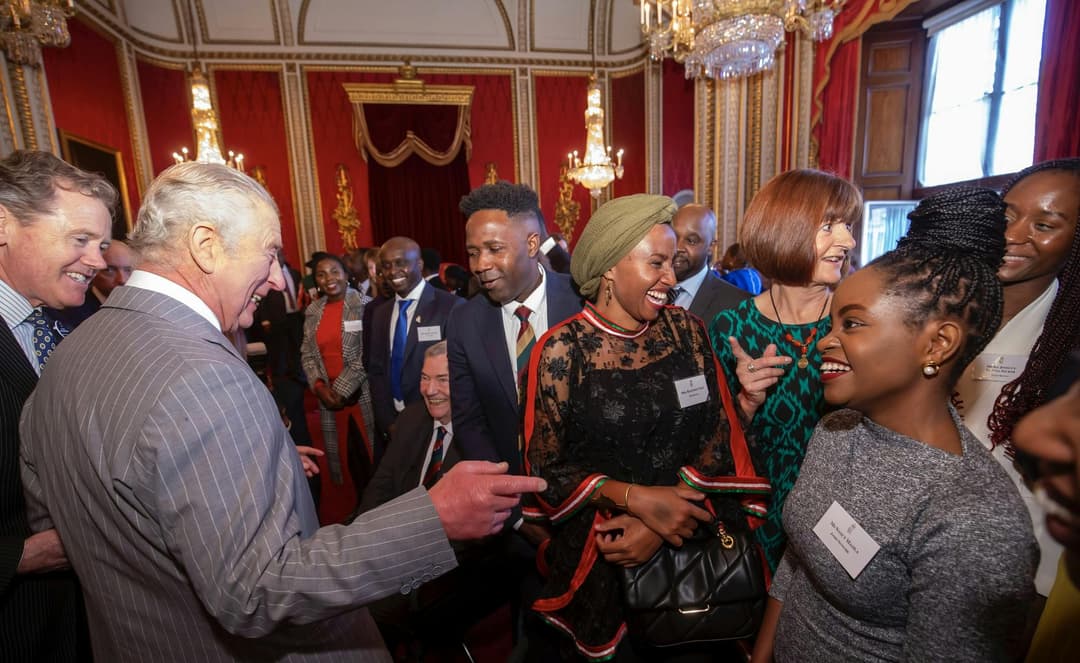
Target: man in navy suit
(502,236)
(699,290)
(54,227)
(401,329)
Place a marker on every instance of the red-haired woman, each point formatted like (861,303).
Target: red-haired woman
(797,233)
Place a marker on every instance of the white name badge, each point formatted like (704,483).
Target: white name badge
(428,334)
(846,540)
(353,325)
(692,391)
(989,367)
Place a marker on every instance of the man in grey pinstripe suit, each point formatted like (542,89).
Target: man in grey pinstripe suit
(161,461)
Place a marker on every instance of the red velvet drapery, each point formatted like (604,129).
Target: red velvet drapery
(1057,122)
(415,198)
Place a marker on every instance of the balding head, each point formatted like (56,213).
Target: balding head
(695,232)
(400,262)
(119,261)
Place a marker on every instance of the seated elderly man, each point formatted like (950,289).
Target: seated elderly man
(420,452)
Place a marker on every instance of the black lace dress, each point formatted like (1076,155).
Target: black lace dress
(601,405)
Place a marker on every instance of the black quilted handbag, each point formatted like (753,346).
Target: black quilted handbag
(710,589)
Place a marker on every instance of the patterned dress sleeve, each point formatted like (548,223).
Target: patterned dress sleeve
(548,396)
(719,462)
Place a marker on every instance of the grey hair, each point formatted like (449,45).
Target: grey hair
(189,193)
(30,179)
(437,350)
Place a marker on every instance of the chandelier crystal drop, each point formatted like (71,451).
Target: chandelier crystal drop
(596,170)
(27,25)
(724,39)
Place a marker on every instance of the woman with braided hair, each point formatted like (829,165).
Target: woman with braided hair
(1040,325)
(905,538)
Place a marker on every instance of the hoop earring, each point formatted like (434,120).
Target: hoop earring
(930,368)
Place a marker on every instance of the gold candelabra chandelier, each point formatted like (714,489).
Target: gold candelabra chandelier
(596,170)
(27,25)
(730,38)
(204,118)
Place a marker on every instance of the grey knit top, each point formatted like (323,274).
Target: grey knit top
(953,578)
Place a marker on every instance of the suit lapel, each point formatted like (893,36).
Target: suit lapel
(17,369)
(425,310)
(490,333)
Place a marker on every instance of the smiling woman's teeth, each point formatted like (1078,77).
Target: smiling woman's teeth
(833,367)
(657,296)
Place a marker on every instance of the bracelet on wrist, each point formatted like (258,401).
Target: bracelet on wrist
(626,499)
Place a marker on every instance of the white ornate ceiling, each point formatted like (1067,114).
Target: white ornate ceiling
(542,32)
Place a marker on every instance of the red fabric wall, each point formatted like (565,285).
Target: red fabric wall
(88,98)
(836,130)
(1057,124)
(560,129)
(252,117)
(168,117)
(332,136)
(628,131)
(678,129)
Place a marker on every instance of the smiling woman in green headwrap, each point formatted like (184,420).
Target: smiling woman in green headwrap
(624,418)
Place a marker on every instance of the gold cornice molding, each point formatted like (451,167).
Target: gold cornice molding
(302,24)
(632,71)
(400,92)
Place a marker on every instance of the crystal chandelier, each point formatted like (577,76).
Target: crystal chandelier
(596,170)
(203,116)
(730,38)
(27,25)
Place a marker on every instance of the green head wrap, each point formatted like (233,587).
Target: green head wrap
(612,232)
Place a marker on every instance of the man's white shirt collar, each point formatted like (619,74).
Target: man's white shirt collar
(692,284)
(163,286)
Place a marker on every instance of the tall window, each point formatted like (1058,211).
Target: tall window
(982,86)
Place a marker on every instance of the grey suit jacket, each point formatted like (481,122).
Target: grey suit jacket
(715,295)
(162,462)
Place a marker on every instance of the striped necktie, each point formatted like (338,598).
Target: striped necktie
(526,339)
(435,466)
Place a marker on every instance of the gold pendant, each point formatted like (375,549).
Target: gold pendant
(803,362)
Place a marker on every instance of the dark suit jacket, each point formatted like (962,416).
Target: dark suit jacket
(484,398)
(73,317)
(286,331)
(399,470)
(37,612)
(715,295)
(433,309)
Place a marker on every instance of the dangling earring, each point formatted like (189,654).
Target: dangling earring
(607,293)
(930,368)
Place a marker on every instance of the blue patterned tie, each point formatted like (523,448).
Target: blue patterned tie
(46,336)
(397,352)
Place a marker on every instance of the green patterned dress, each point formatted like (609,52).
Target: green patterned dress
(784,423)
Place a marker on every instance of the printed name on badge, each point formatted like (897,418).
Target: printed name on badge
(989,367)
(692,391)
(353,325)
(428,334)
(846,540)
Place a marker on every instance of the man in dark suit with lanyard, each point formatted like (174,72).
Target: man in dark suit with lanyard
(55,224)
(699,290)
